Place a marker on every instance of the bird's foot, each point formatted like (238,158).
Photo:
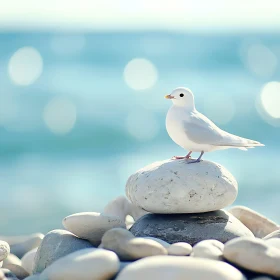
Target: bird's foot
(176,157)
(195,161)
(198,159)
(179,157)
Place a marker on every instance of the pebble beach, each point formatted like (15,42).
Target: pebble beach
(172,224)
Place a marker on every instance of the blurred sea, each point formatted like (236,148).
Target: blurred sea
(116,129)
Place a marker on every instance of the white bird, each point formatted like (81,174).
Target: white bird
(194,132)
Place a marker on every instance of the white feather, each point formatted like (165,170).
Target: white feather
(195,132)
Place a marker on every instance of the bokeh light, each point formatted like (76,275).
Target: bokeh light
(60,115)
(270,99)
(140,74)
(25,66)
(261,60)
(219,108)
(142,125)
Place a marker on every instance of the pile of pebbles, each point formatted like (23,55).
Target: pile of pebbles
(171,226)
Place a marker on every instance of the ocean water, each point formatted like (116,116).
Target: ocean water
(45,175)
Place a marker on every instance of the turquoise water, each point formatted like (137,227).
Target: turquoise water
(45,176)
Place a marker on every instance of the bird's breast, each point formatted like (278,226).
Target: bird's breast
(175,128)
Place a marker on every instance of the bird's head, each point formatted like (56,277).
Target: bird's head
(182,97)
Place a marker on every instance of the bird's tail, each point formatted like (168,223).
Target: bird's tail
(251,143)
(241,143)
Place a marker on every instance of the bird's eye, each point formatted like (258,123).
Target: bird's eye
(181,94)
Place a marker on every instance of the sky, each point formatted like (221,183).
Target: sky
(182,15)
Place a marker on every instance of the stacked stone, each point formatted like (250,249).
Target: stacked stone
(172,228)
(185,202)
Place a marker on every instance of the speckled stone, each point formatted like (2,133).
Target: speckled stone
(190,228)
(91,225)
(174,186)
(57,244)
(4,250)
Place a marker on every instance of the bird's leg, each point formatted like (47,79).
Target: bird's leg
(188,155)
(198,160)
(185,157)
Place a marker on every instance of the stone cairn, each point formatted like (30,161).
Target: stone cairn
(171,226)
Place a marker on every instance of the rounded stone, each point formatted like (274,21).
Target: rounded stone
(256,222)
(163,243)
(9,274)
(28,260)
(85,264)
(128,248)
(253,254)
(57,244)
(179,268)
(179,249)
(209,249)
(190,228)
(274,234)
(122,207)
(274,242)
(4,250)
(18,271)
(174,186)
(22,244)
(11,259)
(91,225)
(33,277)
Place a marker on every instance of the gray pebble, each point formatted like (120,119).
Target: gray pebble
(57,244)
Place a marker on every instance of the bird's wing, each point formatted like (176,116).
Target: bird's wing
(201,130)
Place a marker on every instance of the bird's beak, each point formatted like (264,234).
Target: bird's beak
(168,96)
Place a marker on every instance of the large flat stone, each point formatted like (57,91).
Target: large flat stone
(179,268)
(191,228)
